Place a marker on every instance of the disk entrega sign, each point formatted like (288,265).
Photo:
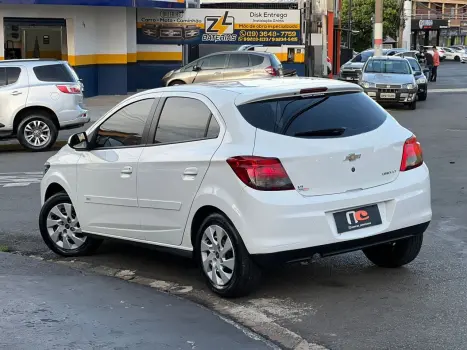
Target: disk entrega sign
(218,26)
(429,24)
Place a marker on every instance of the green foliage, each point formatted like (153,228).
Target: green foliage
(362,11)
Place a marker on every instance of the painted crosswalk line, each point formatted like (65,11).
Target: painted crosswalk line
(20,179)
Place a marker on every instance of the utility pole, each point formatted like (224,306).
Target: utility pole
(313,39)
(378,28)
(349,33)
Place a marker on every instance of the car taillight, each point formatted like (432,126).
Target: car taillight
(69,89)
(412,155)
(263,174)
(272,71)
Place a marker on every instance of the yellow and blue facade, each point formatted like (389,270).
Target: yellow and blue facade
(98,39)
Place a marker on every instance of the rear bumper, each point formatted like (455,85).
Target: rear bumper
(70,119)
(339,247)
(273,222)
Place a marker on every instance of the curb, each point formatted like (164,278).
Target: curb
(274,335)
(16,147)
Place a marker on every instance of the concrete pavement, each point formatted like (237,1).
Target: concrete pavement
(48,306)
(341,302)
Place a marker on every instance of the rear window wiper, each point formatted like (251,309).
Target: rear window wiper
(321,132)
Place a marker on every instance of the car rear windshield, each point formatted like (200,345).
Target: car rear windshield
(54,73)
(388,66)
(339,115)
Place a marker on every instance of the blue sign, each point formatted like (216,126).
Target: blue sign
(168,4)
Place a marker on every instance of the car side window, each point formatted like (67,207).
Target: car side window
(357,58)
(125,127)
(12,75)
(2,76)
(214,62)
(256,60)
(185,119)
(238,61)
(9,75)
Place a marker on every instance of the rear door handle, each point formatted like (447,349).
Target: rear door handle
(128,170)
(247,70)
(217,73)
(190,172)
(16,93)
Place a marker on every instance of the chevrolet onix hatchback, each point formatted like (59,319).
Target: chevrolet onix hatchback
(242,176)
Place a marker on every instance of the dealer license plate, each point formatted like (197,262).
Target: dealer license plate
(355,219)
(387,95)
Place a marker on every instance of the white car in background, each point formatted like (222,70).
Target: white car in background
(452,54)
(441,52)
(242,175)
(464,56)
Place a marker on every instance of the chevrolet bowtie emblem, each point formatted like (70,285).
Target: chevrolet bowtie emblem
(352,157)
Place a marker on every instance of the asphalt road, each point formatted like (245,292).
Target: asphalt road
(49,306)
(341,302)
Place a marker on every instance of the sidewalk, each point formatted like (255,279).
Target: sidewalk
(49,306)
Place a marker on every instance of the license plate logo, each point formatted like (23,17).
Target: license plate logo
(356,219)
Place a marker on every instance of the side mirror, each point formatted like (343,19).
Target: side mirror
(79,141)
(196,69)
(417,74)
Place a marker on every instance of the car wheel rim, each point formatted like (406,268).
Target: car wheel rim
(217,255)
(37,133)
(63,227)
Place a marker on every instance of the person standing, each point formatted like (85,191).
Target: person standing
(428,63)
(436,64)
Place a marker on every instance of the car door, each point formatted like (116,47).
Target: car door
(238,67)
(14,88)
(211,68)
(186,135)
(106,190)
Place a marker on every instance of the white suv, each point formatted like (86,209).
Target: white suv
(37,99)
(242,175)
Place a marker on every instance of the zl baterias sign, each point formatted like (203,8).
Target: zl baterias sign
(219,26)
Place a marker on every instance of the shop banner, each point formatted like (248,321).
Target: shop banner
(219,26)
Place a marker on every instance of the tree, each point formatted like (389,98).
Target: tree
(362,12)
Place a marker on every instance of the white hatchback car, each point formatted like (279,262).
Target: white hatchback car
(242,175)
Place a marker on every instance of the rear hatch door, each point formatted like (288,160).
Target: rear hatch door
(329,144)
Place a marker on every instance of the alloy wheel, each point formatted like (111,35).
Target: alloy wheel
(63,227)
(217,255)
(37,133)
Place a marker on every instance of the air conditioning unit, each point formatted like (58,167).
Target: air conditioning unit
(12,33)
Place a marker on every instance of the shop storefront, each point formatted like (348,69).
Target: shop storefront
(427,32)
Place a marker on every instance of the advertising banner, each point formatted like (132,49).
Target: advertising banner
(219,26)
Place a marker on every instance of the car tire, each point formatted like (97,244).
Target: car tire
(225,263)
(457,58)
(65,238)
(395,254)
(37,132)
(177,82)
(423,96)
(413,105)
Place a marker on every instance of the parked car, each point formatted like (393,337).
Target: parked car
(351,70)
(390,79)
(228,65)
(412,53)
(242,175)
(420,78)
(451,54)
(458,47)
(441,52)
(464,56)
(395,51)
(37,99)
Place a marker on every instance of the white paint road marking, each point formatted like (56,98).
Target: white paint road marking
(430,91)
(20,179)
